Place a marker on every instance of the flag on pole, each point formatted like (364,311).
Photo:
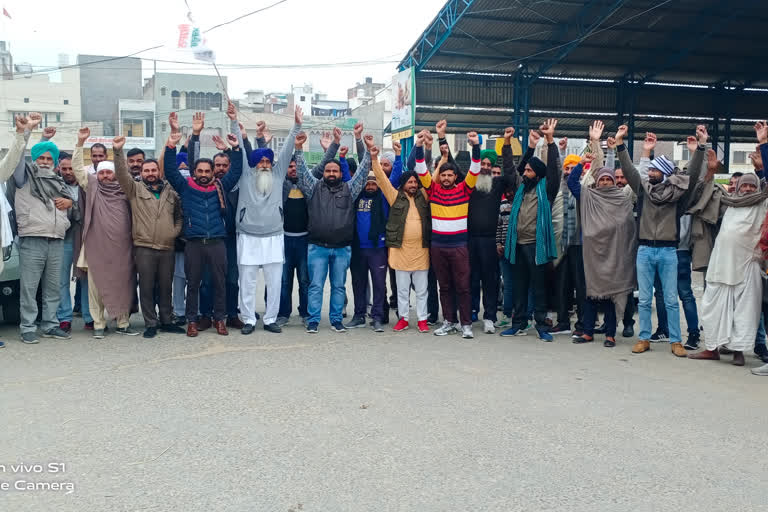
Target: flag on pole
(191,40)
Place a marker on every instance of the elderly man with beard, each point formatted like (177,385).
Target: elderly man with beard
(43,207)
(259,220)
(665,195)
(156,222)
(530,243)
(107,244)
(331,212)
(482,221)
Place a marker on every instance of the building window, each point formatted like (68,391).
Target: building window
(686,155)
(217,101)
(150,128)
(66,102)
(26,100)
(460,143)
(133,127)
(302,98)
(740,157)
(58,118)
(175,100)
(276,144)
(163,91)
(163,126)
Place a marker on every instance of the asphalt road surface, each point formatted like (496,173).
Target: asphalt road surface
(362,421)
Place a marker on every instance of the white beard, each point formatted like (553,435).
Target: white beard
(263,182)
(484,183)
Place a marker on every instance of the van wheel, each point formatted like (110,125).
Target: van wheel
(11,314)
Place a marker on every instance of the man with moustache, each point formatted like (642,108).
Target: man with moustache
(135,158)
(156,222)
(259,220)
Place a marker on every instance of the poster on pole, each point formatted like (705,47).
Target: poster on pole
(403,101)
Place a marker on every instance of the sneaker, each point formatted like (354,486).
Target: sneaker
(628,331)
(88,326)
(150,332)
(560,328)
(171,329)
(446,328)
(431,320)
(357,321)
(762,371)
(401,325)
(543,334)
(2,344)
(126,331)
(281,321)
(466,332)
(423,327)
(377,326)
(505,321)
(312,327)
(98,334)
(338,327)
(57,333)
(273,327)
(693,341)
(66,326)
(488,327)
(513,331)
(304,321)
(30,338)
(659,336)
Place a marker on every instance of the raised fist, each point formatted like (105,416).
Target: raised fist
(118,143)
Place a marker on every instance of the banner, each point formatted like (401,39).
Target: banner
(403,100)
(191,40)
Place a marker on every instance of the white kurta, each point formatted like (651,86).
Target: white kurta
(258,250)
(732,301)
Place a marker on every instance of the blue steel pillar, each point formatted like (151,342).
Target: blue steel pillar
(727,143)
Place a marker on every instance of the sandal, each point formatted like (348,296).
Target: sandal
(583,339)
(609,342)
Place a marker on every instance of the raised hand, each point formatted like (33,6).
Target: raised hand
(563,144)
(369,143)
(611,142)
(301,138)
(428,140)
(298,115)
(21,123)
(49,132)
(509,132)
(82,134)
(712,165)
(325,141)
(397,148)
(260,127)
(761,130)
(441,127)
(358,131)
(374,151)
(231,112)
(419,139)
(596,130)
(243,132)
(173,139)
(337,135)
(232,139)
(650,141)
(692,144)
(548,129)
(473,139)
(219,142)
(198,123)
(343,151)
(533,138)
(33,120)
(118,143)
(587,158)
(173,122)
(702,135)
(621,133)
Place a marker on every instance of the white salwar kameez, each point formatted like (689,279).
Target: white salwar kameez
(254,252)
(732,301)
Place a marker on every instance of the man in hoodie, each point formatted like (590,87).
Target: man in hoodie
(664,196)
(531,244)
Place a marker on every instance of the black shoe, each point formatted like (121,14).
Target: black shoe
(180,320)
(150,332)
(760,351)
(628,331)
(247,329)
(693,341)
(171,329)
(357,321)
(659,336)
(431,320)
(377,326)
(601,329)
(273,327)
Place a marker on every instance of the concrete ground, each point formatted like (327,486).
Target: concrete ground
(376,422)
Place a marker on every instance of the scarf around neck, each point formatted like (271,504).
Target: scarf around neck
(46,185)
(546,248)
(667,191)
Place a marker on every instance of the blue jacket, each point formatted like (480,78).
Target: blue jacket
(201,205)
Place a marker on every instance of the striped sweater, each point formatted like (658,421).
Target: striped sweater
(449,207)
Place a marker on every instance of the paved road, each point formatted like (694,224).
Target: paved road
(378,422)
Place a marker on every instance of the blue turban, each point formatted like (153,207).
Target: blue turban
(45,147)
(181,157)
(257,154)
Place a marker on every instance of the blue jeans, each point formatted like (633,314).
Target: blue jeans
(322,261)
(295,260)
(64,311)
(650,262)
(507,274)
(685,292)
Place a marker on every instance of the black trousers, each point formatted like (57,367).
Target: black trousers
(155,274)
(433,303)
(529,275)
(210,254)
(570,278)
(484,272)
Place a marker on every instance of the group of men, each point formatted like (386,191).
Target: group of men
(194,233)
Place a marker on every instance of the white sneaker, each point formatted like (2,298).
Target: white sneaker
(488,327)
(446,328)
(504,321)
(466,332)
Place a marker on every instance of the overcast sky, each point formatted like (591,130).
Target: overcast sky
(294,32)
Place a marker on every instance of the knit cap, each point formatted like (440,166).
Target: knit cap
(663,164)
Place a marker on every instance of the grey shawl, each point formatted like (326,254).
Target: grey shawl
(46,185)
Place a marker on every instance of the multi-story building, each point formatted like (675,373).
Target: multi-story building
(104,81)
(187,94)
(366,93)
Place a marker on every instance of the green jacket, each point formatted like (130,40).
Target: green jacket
(398,212)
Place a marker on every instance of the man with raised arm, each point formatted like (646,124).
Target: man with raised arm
(156,222)
(107,244)
(449,203)
(204,207)
(259,220)
(331,206)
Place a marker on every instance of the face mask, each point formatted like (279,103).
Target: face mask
(331,182)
